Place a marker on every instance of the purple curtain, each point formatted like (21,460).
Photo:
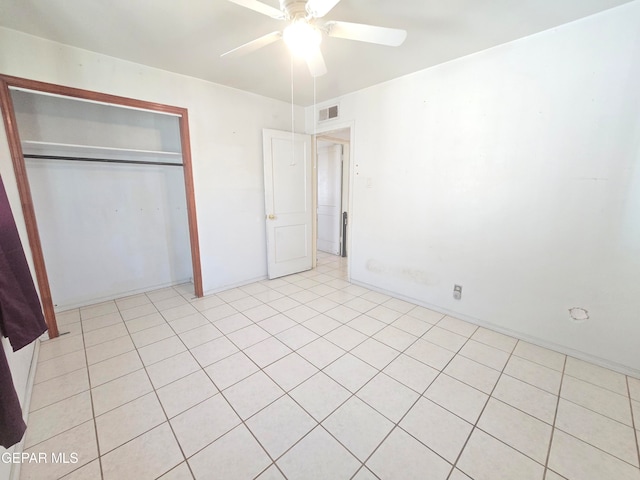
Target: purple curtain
(21,318)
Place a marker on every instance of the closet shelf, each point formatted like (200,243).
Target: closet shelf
(30,147)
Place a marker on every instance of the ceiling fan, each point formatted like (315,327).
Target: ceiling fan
(304,33)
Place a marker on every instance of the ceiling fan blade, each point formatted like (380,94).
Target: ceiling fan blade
(392,37)
(254,45)
(260,7)
(315,62)
(319,8)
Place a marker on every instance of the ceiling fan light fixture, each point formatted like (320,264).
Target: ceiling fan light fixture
(302,38)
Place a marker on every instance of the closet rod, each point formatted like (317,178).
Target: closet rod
(105,160)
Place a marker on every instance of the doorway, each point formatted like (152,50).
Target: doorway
(333,150)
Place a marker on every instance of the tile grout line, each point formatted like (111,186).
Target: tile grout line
(354,394)
(529,415)
(154,390)
(93,411)
(607,417)
(599,414)
(62,374)
(615,457)
(594,384)
(550,393)
(420,396)
(260,369)
(68,397)
(287,394)
(176,334)
(475,424)
(91,388)
(555,417)
(635,422)
(272,335)
(242,420)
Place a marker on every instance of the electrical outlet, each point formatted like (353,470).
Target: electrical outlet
(457,292)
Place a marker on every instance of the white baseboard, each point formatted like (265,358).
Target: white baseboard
(113,296)
(234,285)
(587,357)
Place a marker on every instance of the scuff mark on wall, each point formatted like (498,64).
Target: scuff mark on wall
(411,274)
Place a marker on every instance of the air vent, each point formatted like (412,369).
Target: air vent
(328,113)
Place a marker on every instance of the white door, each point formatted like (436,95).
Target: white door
(329,197)
(288,202)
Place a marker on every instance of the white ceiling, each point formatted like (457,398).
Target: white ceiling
(188,36)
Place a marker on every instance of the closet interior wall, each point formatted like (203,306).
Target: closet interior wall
(107,229)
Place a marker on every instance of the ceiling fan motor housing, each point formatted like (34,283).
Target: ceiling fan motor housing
(294,9)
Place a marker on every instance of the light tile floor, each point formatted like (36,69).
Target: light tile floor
(310,377)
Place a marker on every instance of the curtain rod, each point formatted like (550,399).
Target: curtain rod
(104,160)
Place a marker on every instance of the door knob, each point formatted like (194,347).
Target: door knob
(272,216)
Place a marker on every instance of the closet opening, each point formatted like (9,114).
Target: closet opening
(106,187)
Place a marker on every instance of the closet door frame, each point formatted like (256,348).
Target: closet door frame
(20,171)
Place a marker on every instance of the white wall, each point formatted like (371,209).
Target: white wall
(514,172)
(226,141)
(128,222)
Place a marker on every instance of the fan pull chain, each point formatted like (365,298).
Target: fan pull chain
(293,122)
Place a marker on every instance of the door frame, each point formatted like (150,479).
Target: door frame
(324,133)
(24,190)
